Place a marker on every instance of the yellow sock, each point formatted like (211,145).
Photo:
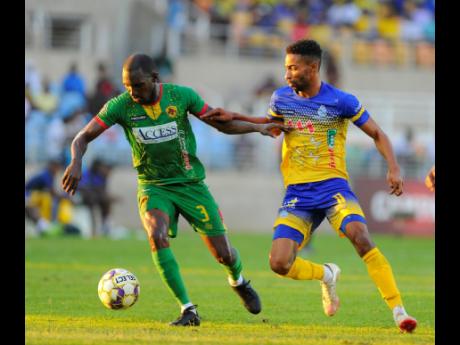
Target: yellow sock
(305,270)
(380,271)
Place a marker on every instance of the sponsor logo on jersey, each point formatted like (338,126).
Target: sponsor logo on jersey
(156,134)
(138,118)
(171,111)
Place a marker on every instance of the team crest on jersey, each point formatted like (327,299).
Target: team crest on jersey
(171,111)
(322,111)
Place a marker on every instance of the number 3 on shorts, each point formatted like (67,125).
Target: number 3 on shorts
(203,212)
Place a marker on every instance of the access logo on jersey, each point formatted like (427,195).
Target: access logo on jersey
(156,134)
(171,111)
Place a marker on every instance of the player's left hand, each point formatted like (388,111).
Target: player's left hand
(217,114)
(395,182)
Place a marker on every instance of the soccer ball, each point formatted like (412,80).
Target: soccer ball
(118,289)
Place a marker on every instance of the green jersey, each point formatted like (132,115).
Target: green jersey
(161,138)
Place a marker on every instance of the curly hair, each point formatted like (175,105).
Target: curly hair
(307,48)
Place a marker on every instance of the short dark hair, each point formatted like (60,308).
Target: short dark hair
(307,48)
(141,61)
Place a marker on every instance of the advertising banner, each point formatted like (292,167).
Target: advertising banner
(412,213)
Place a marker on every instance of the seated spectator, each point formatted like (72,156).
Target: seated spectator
(105,89)
(301,28)
(94,194)
(43,204)
(73,81)
(45,100)
(343,13)
(388,22)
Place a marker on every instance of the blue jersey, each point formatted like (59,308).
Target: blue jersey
(315,150)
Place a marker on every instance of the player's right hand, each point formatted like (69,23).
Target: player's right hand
(71,177)
(217,114)
(274,129)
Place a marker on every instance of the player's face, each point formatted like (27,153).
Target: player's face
(140,85)
(298,72)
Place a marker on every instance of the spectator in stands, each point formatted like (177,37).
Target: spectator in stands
(94,193)
(331,68)
(177,24)
(55,139)
(164,65)
(409,152)
(414,21)
(43,204)
(104,90)
(45,100)
(301,28)
(317,10)
(32,78)
(388,21)
(28,101)
(343,13)
(73,81)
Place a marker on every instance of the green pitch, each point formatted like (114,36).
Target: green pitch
(62,306)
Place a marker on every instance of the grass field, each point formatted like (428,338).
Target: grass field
(62,306)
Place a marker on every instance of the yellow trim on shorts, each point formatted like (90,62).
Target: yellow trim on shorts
(340,212)
(296,223)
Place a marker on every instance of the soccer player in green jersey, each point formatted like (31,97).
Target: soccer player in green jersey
(316,178)
(170,175)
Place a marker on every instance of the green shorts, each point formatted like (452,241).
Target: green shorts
(192,200)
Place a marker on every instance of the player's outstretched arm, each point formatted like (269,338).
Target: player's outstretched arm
(234,123)
(222,115)
(72,173)
(383,145)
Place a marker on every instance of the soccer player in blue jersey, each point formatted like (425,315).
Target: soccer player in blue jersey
(316,179)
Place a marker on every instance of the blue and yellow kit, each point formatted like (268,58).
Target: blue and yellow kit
(313,160)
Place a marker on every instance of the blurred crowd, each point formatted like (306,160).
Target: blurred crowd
(410,20)
(56,110)
(384,31)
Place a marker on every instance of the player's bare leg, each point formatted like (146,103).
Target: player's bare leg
(156,224)
(285,262)
(225,254)
(381,273)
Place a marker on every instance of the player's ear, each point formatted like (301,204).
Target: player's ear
(315,65)
(155,77)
